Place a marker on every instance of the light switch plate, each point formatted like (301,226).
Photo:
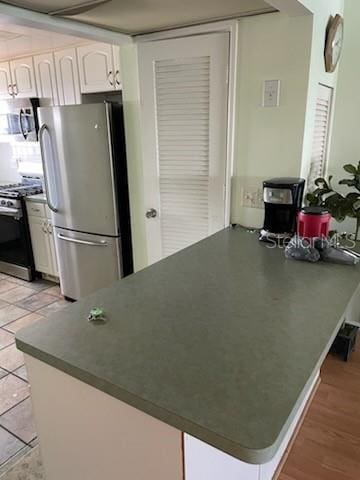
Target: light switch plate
(271,93)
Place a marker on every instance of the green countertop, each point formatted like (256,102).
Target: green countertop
(220,340)
(38,198)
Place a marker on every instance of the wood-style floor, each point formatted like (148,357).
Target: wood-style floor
(328,444)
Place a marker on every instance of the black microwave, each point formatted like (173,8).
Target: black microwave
(18,119)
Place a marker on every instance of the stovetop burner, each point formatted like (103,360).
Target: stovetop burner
(18,190)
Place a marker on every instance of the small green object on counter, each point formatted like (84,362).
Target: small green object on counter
(96,314)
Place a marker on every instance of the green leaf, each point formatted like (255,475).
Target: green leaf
(353,196)
(349,183)
(313,200)
(350,169)
(356,205)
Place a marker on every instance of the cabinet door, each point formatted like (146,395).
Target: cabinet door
(67,76)
(46,77)
(54,261)
(23,77)
(96,67)
(40,244)
(5,80)
(117,67)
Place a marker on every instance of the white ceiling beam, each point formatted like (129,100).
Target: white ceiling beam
(292,8)
(42,21)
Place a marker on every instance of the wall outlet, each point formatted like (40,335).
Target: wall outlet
(252,197)
(271,93)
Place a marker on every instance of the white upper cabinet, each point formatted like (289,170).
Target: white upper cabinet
(99,67)
(62,76)
(46,78)
(23,77)
(96,67)
(5,80)
(67,76)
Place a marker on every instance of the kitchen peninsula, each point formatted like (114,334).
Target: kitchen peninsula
(201,370)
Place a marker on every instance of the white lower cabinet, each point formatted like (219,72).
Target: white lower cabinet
(54,260)
(203,462)
(42,239)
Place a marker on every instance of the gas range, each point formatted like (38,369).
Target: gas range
(11,195)
(16,257)
(23,189)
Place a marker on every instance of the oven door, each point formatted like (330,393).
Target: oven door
(15,246)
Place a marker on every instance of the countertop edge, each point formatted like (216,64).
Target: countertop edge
(247,455)
(36,199)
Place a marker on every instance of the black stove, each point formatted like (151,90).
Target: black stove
(16,257)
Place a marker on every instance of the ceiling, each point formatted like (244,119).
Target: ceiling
(144,16)
(18,40)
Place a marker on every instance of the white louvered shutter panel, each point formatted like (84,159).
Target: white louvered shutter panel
(321,134)
(184,95)
(182,104)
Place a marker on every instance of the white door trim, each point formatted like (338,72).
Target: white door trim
(232,27)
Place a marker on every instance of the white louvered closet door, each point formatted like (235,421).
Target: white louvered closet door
(321,135)
(184,94)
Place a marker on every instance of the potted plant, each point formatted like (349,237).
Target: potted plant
(339,205)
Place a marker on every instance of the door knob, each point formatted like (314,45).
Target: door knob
(151,213)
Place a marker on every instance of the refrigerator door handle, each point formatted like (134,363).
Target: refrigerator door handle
(102,243)
(42,148)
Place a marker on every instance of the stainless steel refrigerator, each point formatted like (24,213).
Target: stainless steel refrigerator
(85,174)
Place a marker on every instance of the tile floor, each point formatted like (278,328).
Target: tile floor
(21,304)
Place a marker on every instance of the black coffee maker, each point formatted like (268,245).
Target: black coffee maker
(283,200)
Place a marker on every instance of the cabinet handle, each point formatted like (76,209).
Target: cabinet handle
(109,78)
(49,229)
(36,210)
(10,92)
(117,73)
(44,227)
(15,89)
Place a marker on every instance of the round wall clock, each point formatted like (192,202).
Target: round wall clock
(334,42)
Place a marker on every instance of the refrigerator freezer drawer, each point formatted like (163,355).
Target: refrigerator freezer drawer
(86,262)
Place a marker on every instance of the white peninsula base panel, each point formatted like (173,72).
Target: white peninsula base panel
(87,434)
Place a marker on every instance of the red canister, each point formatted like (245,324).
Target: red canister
(313,222)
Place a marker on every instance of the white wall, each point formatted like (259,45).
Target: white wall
(322,9)
(132,112)
(8,167)
(345,144)
(278,141)
(269,141)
